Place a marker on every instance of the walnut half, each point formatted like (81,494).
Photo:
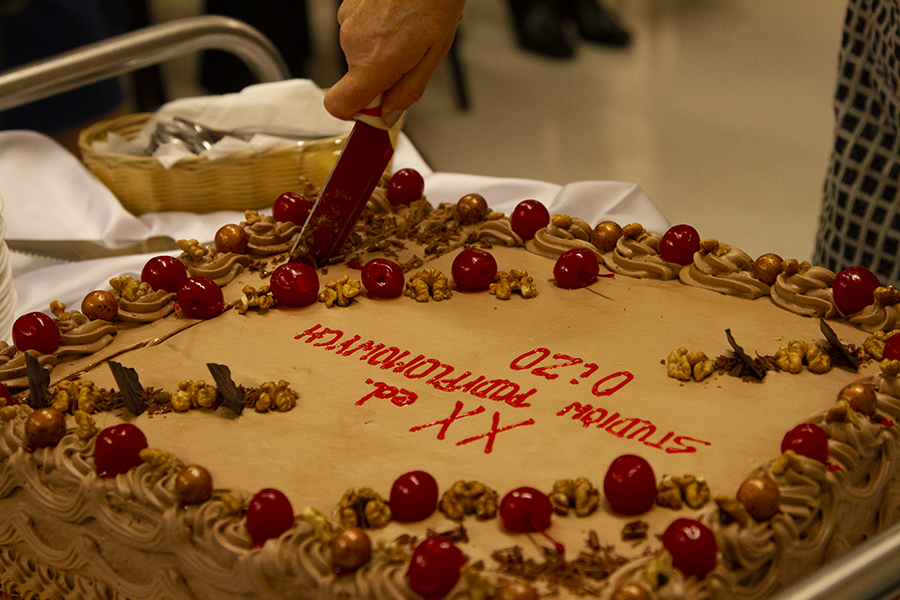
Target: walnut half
(469,498)
(516,280)
(364,509)
(684,365)
(341,292)
(426,284)
(674,492)
(579,494)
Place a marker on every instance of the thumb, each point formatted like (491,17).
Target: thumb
(351,94)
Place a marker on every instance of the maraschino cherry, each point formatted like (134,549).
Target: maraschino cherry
(892,348)
(117,449)
(295,284)
(854,289)
(576,268)
(291,207)
(692,546)
(529,217)
(414,497)
(679,244)
(404,187)
(164,273)
(630,485)
(5,394)
(435,567)
(383,278)
(473,270)
(807,439)
(268,516)
(36,331)
(200,298)
(527,510)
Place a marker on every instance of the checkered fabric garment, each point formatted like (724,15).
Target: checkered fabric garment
(860,219)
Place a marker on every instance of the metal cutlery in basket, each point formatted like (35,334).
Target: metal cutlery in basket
(197,138)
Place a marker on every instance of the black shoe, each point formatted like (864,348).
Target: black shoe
(540,29)
(595,23)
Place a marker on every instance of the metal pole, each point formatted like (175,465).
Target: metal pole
(138,49)
(871,571)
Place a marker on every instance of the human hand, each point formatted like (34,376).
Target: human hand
(393,47)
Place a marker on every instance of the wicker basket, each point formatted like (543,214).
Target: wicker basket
(244,180)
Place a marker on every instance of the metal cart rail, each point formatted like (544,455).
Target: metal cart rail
(138,49)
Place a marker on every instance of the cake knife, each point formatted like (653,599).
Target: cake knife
(78,250)
(352,180)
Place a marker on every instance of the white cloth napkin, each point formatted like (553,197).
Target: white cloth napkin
(293,106)
(48,194)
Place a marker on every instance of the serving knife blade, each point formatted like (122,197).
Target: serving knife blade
(365,156)
(78,250)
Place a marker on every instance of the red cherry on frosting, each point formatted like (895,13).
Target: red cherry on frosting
(891,348)
(291,207)
(414,497)
(854,289)
(473,270)
(435,567)
(117,449)
(200,298)
(576,268)
(679,244)
(525,510)
(692,546)
(164,273)
(36,331)
(383,278)
(630,485)
(268,516)
(807,440)
(5,394)
(529,217)
(404,187)
(295,284)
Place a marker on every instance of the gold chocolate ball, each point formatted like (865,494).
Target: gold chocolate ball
(630,591)
(45,427)
(471,208)
(232,238)
(860,397)
(101,305)
(516,590)
(760,496)
(351,549)
(606,234)
(193,485)
(767,268)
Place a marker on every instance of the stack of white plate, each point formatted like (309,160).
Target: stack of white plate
(7,292)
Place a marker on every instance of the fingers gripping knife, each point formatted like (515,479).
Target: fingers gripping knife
(349,186)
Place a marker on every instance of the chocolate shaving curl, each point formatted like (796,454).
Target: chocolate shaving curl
(232,396)
(755,371)
(38,382)
(843,353)
(129,386)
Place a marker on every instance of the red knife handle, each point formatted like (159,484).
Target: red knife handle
(371,115)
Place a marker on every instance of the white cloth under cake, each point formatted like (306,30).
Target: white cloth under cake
(48,194)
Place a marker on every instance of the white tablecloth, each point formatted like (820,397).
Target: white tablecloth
(48,194)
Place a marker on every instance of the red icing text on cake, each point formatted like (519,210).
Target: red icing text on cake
(457,414)
(622,427)
(434,372)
